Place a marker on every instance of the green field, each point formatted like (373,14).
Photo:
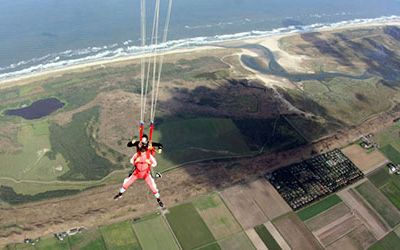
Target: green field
(392,191)
(391,153)
(390,242)
(267,238)
(51,244)
(380,203)
(217,216)
(189,228)
(388,184)
(379,177)
(76,143)
(32,162)
(319,207)
(87,240)
(389,141)
(199,138)
(120,236)
(236,241)
(211,246)
(153,233)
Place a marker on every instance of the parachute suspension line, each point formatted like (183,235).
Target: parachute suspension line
(155,54)
(164,40)
(152,44)
(143,64)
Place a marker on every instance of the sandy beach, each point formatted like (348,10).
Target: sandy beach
(292,62)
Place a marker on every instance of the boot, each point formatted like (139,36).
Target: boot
(118,196)
(160,203)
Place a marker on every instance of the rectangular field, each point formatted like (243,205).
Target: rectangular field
(236,241)
(295,232)
(267,198)
(188,227)
(388,184)
(379,177)
(364,213)
(391,241)
(391,153)
(380,203)
(255,239)
(359,238)
(365,161)
(216,215)
(267,238)
(329,216)
(392,191)
(242,205)
(153,233)
(319,207)
(120,236)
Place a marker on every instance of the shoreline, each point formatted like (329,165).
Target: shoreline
(26,78)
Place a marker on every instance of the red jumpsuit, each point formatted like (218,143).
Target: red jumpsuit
(143,162)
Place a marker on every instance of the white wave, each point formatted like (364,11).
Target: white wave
(89,54)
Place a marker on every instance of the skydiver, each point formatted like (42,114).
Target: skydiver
(143,161)
(153,147)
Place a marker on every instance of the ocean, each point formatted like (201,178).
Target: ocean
(36,35)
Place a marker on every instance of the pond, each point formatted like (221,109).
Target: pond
(38,109)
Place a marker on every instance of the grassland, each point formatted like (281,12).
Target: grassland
(267,238)
(389,142)
(52,243)
(75,142)
(217,217)
(380,203)
(153,233)
(199,138)
(32,162)
(87,241)
(120,236)
(188,226)
(319,207)
(391,241)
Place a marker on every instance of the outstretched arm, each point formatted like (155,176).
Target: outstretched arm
(133,144)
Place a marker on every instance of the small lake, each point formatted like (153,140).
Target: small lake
(38,109)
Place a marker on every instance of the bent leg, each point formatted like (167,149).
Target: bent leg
(128,182)
(152,185)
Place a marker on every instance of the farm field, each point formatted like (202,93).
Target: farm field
(340,228)
(380,203)
(327,217)
(120,236)
(153,233)
(373,223)
(266,237)
(241,204)
(188,227)
(319,207)
(364,160)
(217,217)
(391,241)
(267,198)
(236,241)
(295,232)
(388,184)
(389,142)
